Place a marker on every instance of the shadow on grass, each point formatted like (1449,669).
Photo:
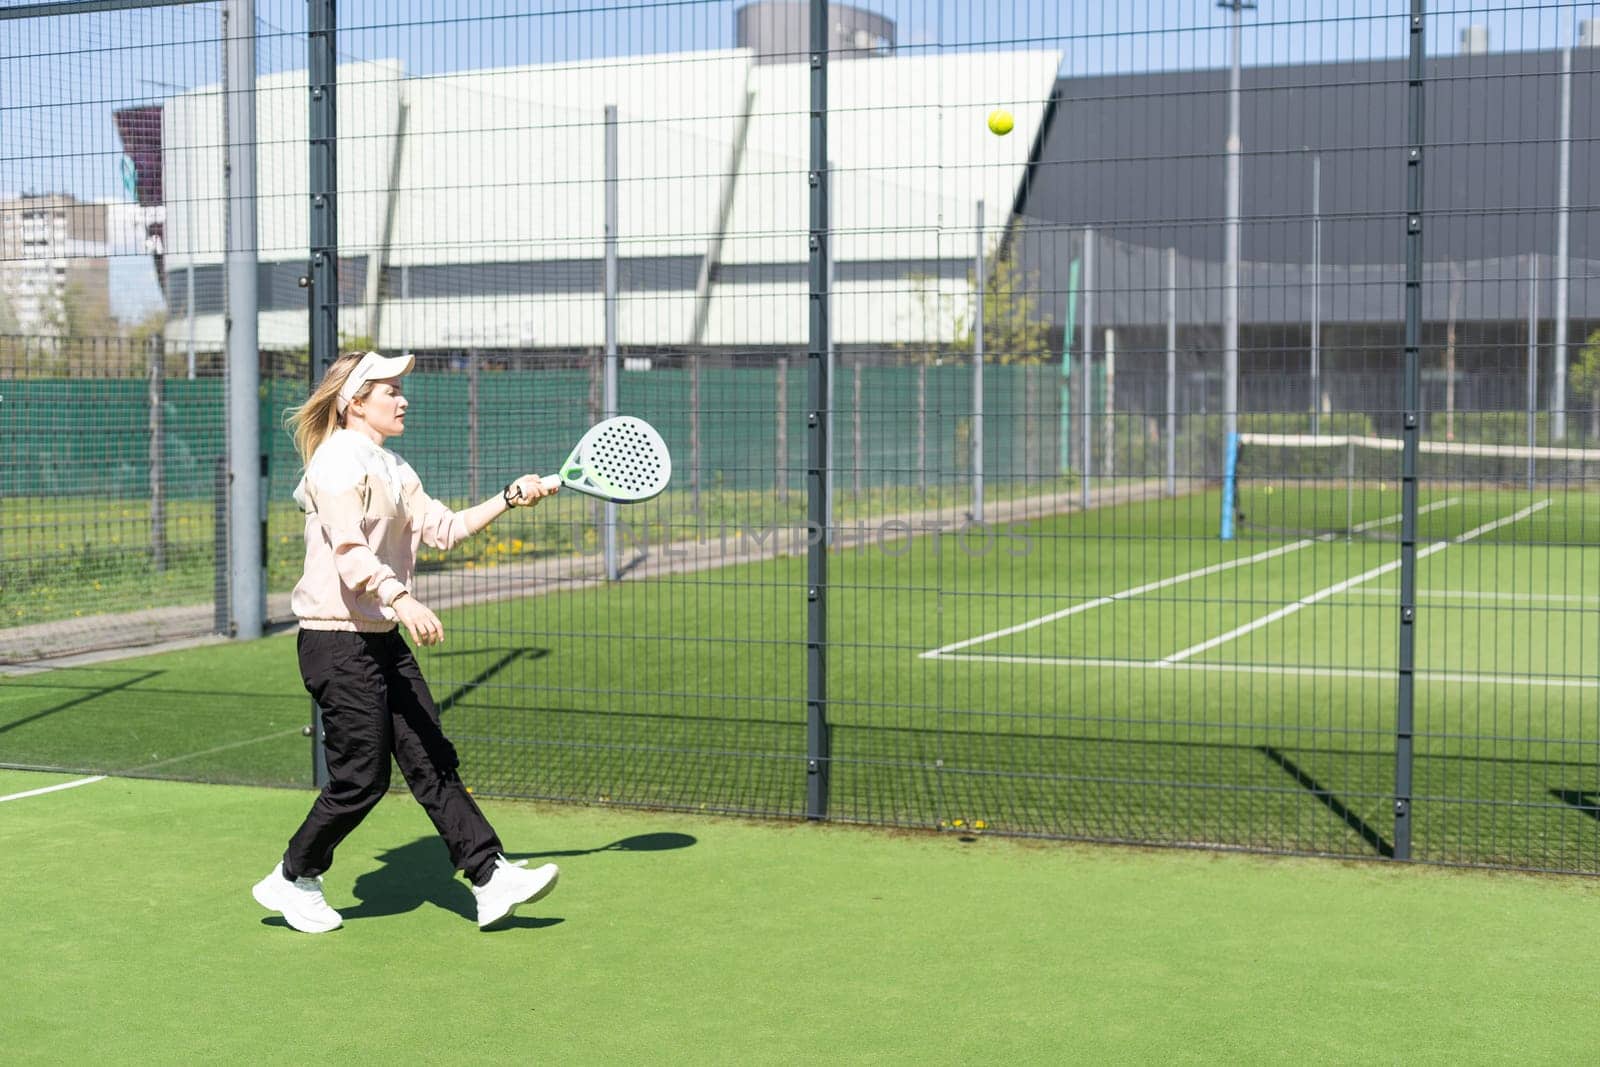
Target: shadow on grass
(411,876)
(1585,800)
(1329,800)
(417,874)
(93,694)
(637,843)
(506,659)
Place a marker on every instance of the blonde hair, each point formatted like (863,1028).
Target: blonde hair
(314,421)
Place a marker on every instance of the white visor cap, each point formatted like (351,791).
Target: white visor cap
(374,367)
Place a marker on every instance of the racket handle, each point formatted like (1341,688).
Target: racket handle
(551,482)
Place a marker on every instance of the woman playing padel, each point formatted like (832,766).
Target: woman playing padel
(365,516)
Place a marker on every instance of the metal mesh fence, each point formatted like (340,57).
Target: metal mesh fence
(1118,535)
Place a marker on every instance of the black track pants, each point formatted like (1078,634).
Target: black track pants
(374,703)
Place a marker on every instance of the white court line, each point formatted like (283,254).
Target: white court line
(1139,590)
(1380,674)
(213,751)
(1339,587)
(1114,597)
(1389,520)
(53,788)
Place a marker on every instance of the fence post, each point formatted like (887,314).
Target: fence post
(781,441)
(246,459)
(322,145)
(1109,415)
(977,369)
(817,350)
(608,388)
(922,427)
(1411,430)
(474,428)
(856,443)
(219,547)
(1316,291)
(694,430)
(1563,267)
(1172,372)
(832,356)
(158,448)
(1085,389)
(1533,363)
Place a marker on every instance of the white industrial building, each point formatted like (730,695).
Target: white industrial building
(471,204)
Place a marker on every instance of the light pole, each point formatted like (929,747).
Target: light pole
(1230,266)
(188,222)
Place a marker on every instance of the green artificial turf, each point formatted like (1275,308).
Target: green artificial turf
(130,937)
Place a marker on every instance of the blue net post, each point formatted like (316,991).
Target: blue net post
(1230,468)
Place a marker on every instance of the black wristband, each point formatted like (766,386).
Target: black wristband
(505,494)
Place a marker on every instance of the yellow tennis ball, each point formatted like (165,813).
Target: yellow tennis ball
(1000,122)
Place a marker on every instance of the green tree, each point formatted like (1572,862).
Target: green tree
(1585,377)
(86,337)
(12,353)
(85,313)
(1014,331)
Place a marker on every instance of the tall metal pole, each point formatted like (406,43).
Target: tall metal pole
(1086,389)
(1533,361)
(831,476)
(1172,372)
(322,148)
(246,461)
(1558,396)
(189,239)
(474,423)
(1411,392)
(977,373)
(609,401)
(158,451)
(1230,265)
(323,276)
(817,739)
(1316,289)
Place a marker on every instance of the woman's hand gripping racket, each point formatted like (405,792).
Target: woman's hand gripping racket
(623,460)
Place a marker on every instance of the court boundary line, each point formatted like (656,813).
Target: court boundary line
(53,788)
(213,751)
(1338,587)
(943,651)
(1180,660)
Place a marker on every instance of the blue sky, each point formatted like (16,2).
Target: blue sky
(61,78)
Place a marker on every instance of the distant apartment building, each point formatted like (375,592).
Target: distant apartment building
(51,245)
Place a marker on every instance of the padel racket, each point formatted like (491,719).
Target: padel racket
(623,460)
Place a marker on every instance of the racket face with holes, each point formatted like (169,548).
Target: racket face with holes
(623,460)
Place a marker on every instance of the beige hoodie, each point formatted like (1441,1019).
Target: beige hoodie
(366,514)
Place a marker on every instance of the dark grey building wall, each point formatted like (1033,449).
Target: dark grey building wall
(1141,157)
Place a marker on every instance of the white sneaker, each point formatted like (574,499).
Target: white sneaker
(300,902)
(510,885)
